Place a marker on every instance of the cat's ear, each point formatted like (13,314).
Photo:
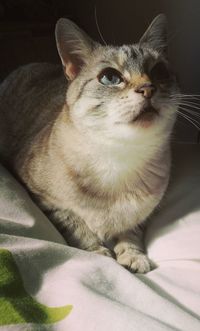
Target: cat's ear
(74,46)
(156,34)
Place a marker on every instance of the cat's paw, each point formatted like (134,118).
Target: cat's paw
(135,262)
(103,251)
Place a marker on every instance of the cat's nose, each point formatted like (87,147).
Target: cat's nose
(147,89)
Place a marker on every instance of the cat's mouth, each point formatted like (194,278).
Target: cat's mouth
(147,114)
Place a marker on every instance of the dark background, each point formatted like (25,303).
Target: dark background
(27,34)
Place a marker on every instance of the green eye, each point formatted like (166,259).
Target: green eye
(110,77)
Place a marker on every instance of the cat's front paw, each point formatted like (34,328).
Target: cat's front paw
(103,251)
(135,262)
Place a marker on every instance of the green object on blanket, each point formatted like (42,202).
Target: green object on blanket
(16,305)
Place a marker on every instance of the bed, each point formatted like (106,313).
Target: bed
(47,285)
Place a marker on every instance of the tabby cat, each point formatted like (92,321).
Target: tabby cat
(92,144)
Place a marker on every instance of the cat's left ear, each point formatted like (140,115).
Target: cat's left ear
(156,36)
(74,46)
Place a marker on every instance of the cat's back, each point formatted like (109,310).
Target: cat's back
(30,98)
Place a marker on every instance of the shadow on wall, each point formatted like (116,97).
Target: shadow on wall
(27,34)
(182,196)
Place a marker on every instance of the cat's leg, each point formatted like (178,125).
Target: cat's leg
(76,232)
(130,253)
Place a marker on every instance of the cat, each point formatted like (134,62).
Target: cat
(91,139)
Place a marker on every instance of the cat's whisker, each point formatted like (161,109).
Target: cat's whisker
(196,100)
(99,31)
(194,114)
(186,95)
(190,109)
(194,122)
(189,120)
(189,100)
(191,105)
(191,113)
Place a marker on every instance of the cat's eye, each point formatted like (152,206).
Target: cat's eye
(160,72)
(110,77)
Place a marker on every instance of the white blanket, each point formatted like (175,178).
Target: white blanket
(46,285)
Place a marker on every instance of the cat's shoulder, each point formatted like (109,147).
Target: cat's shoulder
(34,75)
(36,70)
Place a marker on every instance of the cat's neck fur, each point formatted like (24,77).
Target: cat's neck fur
(110,164)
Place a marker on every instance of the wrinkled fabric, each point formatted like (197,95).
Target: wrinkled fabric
(47,285)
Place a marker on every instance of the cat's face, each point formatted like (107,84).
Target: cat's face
(122,92)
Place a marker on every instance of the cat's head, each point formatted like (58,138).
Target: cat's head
(118,92)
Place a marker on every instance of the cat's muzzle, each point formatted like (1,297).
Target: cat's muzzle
(147,113)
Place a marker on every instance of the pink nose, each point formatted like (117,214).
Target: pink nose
(147,89)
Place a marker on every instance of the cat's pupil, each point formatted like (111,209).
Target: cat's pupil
(110,76)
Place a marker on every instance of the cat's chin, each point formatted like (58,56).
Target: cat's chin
(146,118)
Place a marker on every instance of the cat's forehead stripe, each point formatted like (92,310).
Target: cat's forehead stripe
(126,57)
(130,51)
(123,56)
(130,57)
(126,50)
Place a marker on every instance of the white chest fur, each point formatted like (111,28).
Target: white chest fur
(122,193)
(112,188)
